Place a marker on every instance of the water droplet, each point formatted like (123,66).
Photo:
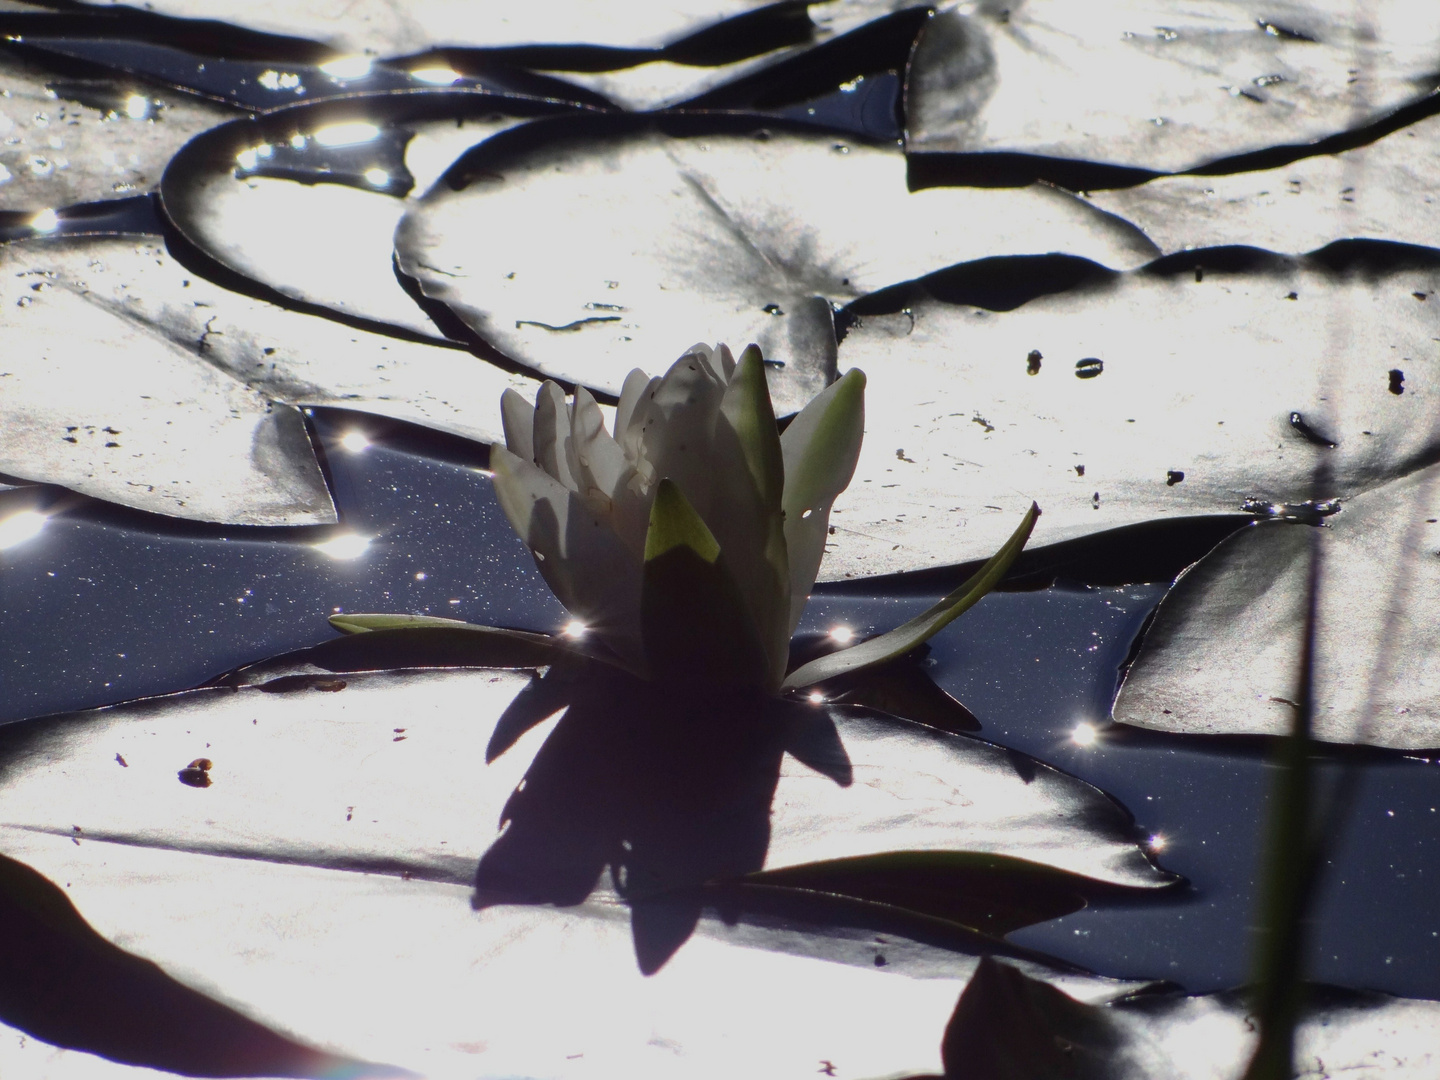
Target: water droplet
(1313,512)
(772,309)
(1089,367)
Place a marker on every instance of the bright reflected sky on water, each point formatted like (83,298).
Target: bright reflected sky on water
(19,527)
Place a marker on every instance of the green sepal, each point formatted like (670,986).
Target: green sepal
(760,562)
(693,621)
(905,637)
(450,636)
(360,624)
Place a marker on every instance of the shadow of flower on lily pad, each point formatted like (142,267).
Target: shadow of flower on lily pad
(666,791)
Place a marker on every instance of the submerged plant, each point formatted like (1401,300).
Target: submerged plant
(686,542)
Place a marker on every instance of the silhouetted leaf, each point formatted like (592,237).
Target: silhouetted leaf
(66,140)
(1382,191)
(1182,404)
(62,982)
(1008,1026)
(1222,656)
(325,879)
(673,230)
(200,384)
(1151,85)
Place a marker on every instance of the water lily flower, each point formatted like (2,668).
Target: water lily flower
(686,541)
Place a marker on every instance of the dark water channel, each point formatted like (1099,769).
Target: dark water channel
(106,605)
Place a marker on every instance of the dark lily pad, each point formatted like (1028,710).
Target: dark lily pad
(66,140)
(1144,84)
(1008,1026)
(65,984)
(1223,654)
(199,396)
(1219,381)
(668,231)
(1382,191)
(373,793)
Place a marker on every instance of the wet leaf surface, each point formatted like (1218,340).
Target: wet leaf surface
(1154,394)
(1146,84)
(1222,655)
(380,27)
(155,429)
(313,794)
(66,139)
(1008,1026)
(200,397)
(1382,191)
(674,232)
(765,80)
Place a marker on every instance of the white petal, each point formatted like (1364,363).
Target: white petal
(636,383)
(630,433)
(713,360)
(552,429)
(678,430)
(592,572)
(727,362)
(518,417)
(820,447)
(603,473)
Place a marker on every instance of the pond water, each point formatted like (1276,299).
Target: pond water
(105,606)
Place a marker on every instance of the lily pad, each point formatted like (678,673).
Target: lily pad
(212,449)
(1008,1026)
(675,231)
(1223,654)
(379,27)
(64,983)
(200,394)
(1146,84)
(1211,382)
(1382,191)
(765,80)
(304,200)
(294,870)
(66,140)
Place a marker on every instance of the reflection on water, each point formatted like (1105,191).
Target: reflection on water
(19,527)
(1022,663)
